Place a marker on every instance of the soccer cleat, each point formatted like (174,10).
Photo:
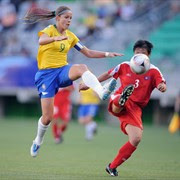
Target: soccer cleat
(128,90)
(95,131)
(108,88)
(112,172)
(34,149)
(58,140)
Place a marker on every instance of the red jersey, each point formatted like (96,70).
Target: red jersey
(144,83)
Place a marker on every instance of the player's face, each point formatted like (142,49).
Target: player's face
(64,20)
(141,51)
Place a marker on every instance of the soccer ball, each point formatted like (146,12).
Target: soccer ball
(140,63)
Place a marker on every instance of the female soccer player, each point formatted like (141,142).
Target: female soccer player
(89,105)
(54,71)
(62,112)
(127,102)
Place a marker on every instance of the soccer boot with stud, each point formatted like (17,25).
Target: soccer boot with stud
(128,90)
(34,149)
(108,88)
(112,172)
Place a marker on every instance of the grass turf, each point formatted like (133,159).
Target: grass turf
(157,157)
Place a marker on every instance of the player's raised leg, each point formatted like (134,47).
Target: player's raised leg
(90,80)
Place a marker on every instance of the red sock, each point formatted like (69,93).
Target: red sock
(55,131)
(63,127)
(124,153)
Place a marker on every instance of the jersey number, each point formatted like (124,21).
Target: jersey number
(136,83)
(62,47)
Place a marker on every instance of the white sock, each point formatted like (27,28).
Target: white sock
(89,134)
(40,132)
(91,81)
(93,125)
(90,127)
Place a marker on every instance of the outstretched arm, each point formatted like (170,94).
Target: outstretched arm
(162,87)
(104,77)
(98,54)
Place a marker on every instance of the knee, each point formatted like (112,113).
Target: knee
(82,68)
(135,140)
(47,118)
(81,121)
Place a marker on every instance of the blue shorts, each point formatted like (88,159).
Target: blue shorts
(48,81)
(88,110)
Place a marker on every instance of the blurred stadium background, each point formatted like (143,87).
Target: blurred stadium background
(110,25)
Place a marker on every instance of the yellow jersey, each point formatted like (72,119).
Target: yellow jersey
(54,55)
(89,97)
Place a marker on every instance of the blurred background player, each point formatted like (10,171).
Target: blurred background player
(127,102)
(89,105)
(62,112)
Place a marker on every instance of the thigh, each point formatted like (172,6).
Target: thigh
(92,110)
(45,81)
(56,112)
(47,105)
(63,77)
(81,111)
(65,112)
(76,71)
(131,114)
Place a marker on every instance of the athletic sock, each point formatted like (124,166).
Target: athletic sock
(124,153)
(93,125)
(89,128)
(55,130)
(62,128)
(40,132)
(91,81)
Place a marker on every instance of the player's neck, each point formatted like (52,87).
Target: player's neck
(61,30)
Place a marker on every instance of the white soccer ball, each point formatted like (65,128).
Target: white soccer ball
(140,63)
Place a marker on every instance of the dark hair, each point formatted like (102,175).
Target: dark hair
(38,14)
(143,44)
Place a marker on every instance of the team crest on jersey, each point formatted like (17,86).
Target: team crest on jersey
(147,77)
(116,69)
(128,74)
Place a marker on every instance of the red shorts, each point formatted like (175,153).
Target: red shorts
(62,111)
(131,114)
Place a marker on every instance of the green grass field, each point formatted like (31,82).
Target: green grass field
(157,157)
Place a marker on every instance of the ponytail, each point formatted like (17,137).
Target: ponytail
(38,14)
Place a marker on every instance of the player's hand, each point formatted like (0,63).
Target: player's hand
(60,38)
(83,87)
(113,54)
(162,87)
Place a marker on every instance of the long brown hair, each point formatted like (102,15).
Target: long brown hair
(38,14)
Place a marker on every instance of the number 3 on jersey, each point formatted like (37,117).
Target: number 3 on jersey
(136,83)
